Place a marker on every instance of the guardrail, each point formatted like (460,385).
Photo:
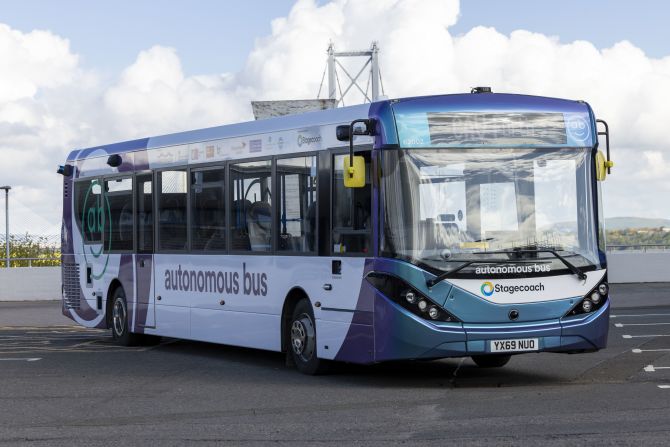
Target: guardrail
(638,247)
(30,262)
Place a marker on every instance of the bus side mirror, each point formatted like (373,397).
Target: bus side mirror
(354,172)
(602,166)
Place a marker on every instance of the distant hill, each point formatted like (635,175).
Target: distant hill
(621,223)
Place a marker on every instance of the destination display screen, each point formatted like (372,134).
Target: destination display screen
(486,129)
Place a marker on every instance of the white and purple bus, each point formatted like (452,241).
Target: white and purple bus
(417,228)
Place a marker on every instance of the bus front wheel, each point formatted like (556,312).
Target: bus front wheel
(120,329)
(491,361)
(302,338)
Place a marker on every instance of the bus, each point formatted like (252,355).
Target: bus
(460,225)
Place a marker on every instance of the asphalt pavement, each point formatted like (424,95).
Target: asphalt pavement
(66,385)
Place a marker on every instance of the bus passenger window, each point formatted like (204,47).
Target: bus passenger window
(352,211)
(297,204)
(251,209)
(119,199)
(88,210)
(208,214)
(172,233)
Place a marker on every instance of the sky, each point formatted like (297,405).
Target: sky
(78,73)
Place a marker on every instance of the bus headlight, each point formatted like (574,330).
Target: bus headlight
(409,298)
(592,301)
(603,288)
(595,297)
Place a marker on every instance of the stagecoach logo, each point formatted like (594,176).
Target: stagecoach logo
(308,140)
(578,127)
(488,288)
(95,211)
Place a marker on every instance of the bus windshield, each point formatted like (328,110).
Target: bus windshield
(506,209)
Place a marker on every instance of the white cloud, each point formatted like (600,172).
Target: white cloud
(49,103)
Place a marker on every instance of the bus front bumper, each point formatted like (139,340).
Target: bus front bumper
(414,338)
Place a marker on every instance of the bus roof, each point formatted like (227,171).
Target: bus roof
(482,102)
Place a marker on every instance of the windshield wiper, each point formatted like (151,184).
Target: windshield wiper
(581,275)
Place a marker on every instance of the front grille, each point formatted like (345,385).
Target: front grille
(71,287)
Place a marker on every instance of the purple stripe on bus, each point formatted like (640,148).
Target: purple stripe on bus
(126,277)
(358,345)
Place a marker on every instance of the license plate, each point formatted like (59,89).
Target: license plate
(518,345)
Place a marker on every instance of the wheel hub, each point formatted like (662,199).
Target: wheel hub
(119,317)
(302,337)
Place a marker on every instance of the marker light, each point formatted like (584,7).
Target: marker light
(587,306)
(595,297)
(603,289)
(433,312)
(410,297)
(422,305)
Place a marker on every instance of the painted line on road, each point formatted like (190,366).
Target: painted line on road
(640,315)
(645,336)
(26,359)
(639,351)
(639,324)
(652,368)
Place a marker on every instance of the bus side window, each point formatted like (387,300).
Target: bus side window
(296,180)
(145,214)
(352,211)
(119,199)
(172,217)
(208,210)
(251,208)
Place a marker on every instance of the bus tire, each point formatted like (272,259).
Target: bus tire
(491,361)
(119,320)
(302,340)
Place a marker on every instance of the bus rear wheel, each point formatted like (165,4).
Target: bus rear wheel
(119,321)
(491,361)
(302,340)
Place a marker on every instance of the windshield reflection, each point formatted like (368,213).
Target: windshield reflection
(454,205)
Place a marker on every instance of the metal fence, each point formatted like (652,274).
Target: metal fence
(30,262)
(639,247)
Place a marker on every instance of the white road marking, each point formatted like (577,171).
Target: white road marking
(645,336)
(26,359)
(639,351)
(639,324)
(640,315)
(652,368)
(664,387)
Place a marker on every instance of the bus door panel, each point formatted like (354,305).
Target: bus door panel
(144,260)
(144,283)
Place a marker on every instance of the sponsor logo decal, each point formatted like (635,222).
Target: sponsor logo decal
(487,288)
(578,127)
(302,139)
(255,145)
(94,214)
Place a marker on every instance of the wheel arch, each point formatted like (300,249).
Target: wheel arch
(292,298)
